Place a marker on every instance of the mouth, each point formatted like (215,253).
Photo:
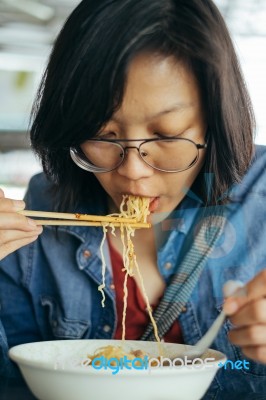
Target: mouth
(153,201)
(154,204)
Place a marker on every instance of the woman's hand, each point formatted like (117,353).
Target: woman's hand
(15,230)
(248,313)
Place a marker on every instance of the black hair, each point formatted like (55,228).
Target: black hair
(85,78)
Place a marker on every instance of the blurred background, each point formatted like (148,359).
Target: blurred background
(27,31)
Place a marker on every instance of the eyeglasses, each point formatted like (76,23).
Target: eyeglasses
(166,155)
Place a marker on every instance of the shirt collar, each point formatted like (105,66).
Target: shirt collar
(86,234)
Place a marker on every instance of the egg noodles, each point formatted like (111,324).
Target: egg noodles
(131,207)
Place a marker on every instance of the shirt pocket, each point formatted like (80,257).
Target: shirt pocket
(234,354)
(62,326)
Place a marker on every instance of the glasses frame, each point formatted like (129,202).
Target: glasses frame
(75,153)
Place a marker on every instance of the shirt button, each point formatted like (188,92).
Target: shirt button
(112,286)
(106,328)
(86,253)
(184,309)
(167,265)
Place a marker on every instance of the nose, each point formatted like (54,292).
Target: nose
(133,167)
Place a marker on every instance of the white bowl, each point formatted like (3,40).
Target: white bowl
(53,371)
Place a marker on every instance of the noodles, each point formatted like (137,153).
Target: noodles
(102,286)
(117,357)
(115,352)
(138,208)
(131,207)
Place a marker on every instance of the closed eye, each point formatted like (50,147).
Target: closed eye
(106,135)
(165,136)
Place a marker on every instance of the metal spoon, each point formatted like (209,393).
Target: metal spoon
(229,289)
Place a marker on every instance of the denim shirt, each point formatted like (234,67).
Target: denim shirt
(49,289)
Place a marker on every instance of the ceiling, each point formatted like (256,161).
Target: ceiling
(28,27)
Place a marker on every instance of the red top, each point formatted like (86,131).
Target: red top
(137,318)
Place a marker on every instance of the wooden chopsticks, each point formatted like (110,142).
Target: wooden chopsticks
(81,219)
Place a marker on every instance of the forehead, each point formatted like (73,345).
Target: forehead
(156,84)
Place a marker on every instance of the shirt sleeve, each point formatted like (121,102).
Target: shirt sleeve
(7,368)
(17,320)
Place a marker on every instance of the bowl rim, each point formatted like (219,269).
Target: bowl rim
(50,365)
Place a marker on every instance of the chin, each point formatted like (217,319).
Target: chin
(160,215)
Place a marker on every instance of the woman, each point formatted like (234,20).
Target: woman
(147,98)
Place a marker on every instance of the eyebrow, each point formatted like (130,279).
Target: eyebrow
(174,108)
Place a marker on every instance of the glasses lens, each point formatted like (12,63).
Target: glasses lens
(170,154)
(105,155)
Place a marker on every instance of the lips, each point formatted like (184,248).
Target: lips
(154,204)
(154,201)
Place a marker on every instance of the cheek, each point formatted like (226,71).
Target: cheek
(180,182)
(191,174)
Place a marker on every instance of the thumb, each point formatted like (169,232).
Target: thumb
(234,290)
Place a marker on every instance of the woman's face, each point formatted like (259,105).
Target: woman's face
(161,97)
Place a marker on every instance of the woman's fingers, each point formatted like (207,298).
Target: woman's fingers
(245,336)
(15,221)
(16,230)
(252,340)
(10,247)
(8,236)
(11,240)
(10,219)
(258,353)
(247,311)
(254,290)
(250,314)
(10,205)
